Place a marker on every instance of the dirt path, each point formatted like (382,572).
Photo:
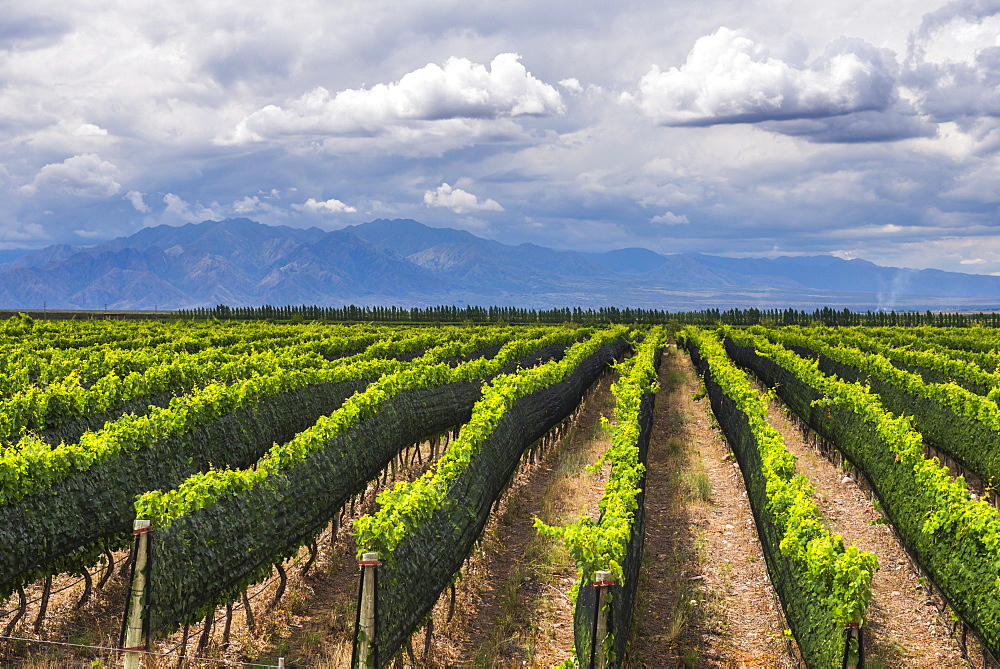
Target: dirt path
(705,598)
(903,627)
(512,606)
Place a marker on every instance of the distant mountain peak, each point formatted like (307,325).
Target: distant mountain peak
(403,262)
(407,237)
(630,260)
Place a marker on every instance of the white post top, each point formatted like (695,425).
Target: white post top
(602,576)
(368,557)
(140,524)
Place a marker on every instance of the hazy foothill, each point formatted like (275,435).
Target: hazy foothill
(406,263)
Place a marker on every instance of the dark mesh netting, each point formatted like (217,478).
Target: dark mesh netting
(958,565)
(207,553)
(64,428)
(422,565)
(97,503)
(585,622)
(819,638)
(204,553)
(622,594)
(971,442)
(71,431)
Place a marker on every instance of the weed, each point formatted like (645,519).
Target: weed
(681,613)
(339,619)
(297,602)
(601,429)
(883,654)
(83,639)
(682,417)
(675,377)
(702,486)
(572,463)
(283,649)
(700,543)
(311,639)
(690,657)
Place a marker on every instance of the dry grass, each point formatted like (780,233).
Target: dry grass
(513,604)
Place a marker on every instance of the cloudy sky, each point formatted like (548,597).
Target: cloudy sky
(748,128)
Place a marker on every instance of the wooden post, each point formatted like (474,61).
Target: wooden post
(366,649)
(137,598)
(853,656)
(602,581)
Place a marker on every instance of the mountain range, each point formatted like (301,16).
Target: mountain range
(406,263)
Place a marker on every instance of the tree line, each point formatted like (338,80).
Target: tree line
(590,316)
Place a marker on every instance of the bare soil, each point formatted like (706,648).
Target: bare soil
(705,599)
(513,606)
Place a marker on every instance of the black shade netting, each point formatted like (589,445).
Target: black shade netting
(958,564)
(95,504)
(623,594)
(413,576)
(219,549)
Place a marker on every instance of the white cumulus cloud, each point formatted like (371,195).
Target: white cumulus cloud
(135,197)
(17,231)
(90,130)
(179,208)
(670,218)
(331,206)
(955,31)
(572,85)
(458,200)
(730,78)
(84,175)
(954,62)
(247,205)
(459,89)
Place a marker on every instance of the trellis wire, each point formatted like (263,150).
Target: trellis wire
(143,652)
